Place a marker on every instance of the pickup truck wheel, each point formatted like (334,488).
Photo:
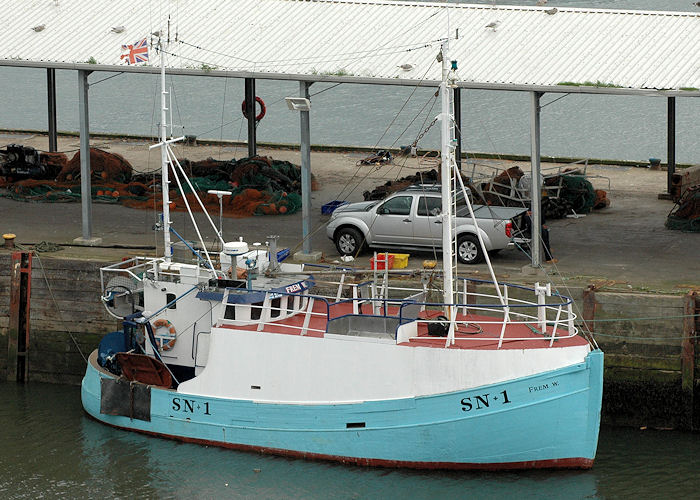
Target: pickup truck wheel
(348,241)
(469,250)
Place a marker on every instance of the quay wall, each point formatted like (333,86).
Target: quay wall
(652,373)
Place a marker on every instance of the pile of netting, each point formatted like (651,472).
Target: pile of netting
(259,185)
(685,215)
(570,192)
(381,192)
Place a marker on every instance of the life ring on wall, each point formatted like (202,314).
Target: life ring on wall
(168,340)
(263,109)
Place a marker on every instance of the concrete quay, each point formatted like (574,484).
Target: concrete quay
(622,247)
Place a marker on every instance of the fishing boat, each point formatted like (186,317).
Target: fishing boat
(242,351)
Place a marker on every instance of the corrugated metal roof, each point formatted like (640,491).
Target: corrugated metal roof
(372,40)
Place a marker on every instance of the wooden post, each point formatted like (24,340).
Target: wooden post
(18,330)
(688,362)
(589,308)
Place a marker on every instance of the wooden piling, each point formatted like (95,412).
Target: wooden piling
(589,308)
(18,328)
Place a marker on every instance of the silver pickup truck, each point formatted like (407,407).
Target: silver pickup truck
(410,219)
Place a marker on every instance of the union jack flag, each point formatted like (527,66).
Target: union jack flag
(138,52)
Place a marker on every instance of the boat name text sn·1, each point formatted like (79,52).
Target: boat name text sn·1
(183,405)
(481,401)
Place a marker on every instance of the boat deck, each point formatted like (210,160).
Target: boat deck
(473,331)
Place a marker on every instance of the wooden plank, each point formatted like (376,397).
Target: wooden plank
(86,296)
(76,328)
(72,264)
(67,274)
(78,302)
(65,284)
(57,362)
(667,363)
(62,342)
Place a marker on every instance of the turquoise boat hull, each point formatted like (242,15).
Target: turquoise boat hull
(547,420)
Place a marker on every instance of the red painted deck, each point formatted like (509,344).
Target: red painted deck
(485,335)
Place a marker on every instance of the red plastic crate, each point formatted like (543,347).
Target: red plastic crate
(382,260)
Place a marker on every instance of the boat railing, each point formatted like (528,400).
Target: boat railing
(125,276)
(328,311)
(551,321)
(553,318)
(475,310)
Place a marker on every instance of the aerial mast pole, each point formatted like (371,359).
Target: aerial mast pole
(447,131)
(164,155)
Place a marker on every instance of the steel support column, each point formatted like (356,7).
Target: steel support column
(85,181)
(671,142)
(458,126)
(250,112)
(536,189)
(305,147)
(51,98)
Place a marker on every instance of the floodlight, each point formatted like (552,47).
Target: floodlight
(298,103)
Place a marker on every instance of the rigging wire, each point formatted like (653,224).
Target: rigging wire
(105,79)
(356,55)
(555,100)
(223,112)
(408,99)
(327,88)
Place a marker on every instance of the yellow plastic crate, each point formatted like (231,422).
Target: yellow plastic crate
(400,260)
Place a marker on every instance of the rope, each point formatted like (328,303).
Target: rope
(47,246)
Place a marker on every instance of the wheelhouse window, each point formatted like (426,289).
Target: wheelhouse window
(275,307)
(255,310)
(400,205)
(230,312)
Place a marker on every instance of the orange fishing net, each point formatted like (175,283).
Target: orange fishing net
(259,185)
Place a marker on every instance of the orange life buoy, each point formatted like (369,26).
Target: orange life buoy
(168,340)
(263,109)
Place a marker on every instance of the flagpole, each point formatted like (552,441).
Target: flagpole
(164,158)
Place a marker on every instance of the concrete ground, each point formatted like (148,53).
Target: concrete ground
(625,246)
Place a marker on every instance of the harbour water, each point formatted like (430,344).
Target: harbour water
(580,126)
(50,448)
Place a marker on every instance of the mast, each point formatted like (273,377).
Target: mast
(164,156)
(447,131)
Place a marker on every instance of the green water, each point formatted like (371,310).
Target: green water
(49,448)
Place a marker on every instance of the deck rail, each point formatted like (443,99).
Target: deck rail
(553,319)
